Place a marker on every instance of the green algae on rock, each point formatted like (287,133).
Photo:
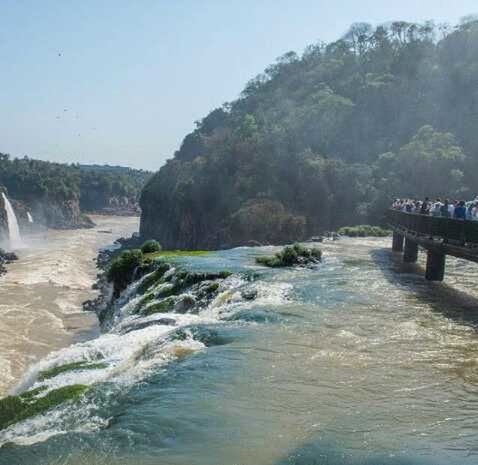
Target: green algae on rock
(154,277)
(81,365)
(166,289)
(20,407)
(163,306)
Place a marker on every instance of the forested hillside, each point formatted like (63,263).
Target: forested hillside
(110,188)
(58,194)
(327,139)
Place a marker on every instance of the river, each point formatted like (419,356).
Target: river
(42,293)
(358,362)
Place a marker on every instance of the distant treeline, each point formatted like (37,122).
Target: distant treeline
(94,187)
(326,139)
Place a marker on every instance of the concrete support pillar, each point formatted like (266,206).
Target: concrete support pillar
(397,242)
(435,270)
(410,253)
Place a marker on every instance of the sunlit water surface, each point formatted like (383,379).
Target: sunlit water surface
(359,361)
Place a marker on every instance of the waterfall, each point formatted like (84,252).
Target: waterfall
(13,229)
(30,217)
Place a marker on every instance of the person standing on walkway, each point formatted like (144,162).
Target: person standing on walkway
(444,209)
(425,208)
(459,212)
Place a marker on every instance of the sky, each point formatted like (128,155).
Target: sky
(121,82)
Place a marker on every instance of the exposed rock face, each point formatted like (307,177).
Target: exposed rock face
(171,234)
(45,212)
(52,214)
(116,205)
(59,215)
(56,214)
(176,224)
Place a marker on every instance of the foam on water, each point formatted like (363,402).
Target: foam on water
(377,362)
(42,292)
(133,348)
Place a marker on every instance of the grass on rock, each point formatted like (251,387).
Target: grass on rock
(175,253)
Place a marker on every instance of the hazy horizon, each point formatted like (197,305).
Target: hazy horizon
(121,84)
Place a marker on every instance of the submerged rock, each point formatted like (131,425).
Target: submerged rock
(59,369)
(146,324)
(184,303)
(28,404)
(163,306)
(170,290)
(249,294)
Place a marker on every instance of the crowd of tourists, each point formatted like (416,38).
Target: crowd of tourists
(457,209)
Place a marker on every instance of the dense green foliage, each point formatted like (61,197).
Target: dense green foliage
(364,230)
(122,268)
(27,179)
(16,408)
(114,187)
(151,246)
(93,187)
(291,255)
(326,139)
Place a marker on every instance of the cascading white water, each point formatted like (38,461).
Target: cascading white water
(30,217)
(13,229)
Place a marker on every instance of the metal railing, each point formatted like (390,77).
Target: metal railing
(449,229)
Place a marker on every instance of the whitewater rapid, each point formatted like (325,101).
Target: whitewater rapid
(42,293)
(359,361)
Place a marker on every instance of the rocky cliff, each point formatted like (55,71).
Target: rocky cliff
(56,214)
(50,213)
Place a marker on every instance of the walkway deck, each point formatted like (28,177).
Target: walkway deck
(438,236)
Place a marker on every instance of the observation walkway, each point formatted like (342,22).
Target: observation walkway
(438,236)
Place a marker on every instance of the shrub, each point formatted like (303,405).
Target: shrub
(363,230)
(288,256)
(291,255)
(151,246)
(316,253)
(122,268)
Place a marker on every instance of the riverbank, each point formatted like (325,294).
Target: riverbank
(42,293)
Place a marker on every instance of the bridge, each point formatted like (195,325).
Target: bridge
(438,236)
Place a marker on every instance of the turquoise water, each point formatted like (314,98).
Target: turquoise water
(359,361)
